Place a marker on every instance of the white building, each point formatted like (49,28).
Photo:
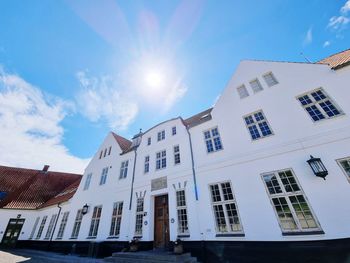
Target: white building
(233,175)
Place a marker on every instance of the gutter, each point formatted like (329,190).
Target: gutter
(192,160)
(54,228)
(133,179)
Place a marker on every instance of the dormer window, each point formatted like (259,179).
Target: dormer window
(161,135)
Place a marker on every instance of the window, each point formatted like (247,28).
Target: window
(51,225)
(319,105)
(177,154)
(345,165)
(105,153)
(212,140)
(257,125)
(77,224)
(289,202)
(270,79)
(242,91)
(181,212)
(161,135)
(109,150)
(95,221)
(149,140)
(87,181)
(101,154)
(104,176)
(34,227)
(225,208)
(173,130)
(124,169)
(160,160)
(256,86)
(41,227)
(116,219)
(139,217)
(62,225)
(146,170)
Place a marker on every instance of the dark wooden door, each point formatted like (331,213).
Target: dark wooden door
(161,221)
(12,232)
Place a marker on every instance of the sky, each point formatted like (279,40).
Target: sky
(71,71)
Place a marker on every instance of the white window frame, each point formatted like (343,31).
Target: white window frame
(314,103)
(257,124)
(177,156)
(242,91)
(149,141)
(116,221)
(41,227)
(124,169)
(255,83)
(104,175)
(139,216)
(34,227)
(211,139)
(272,77)
(286,196)
(62,225)
(173,131)
(146,165)
(77,224)
(50,228)
(223,203)
(161,158)
(95,221)
(87,181)
(182,229)
(342,167)
(161,136)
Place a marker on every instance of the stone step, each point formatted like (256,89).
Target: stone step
(150,256)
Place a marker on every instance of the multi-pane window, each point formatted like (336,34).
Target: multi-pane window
(87,181)
(257,125)
(181,212)
(149,140)
(34,227)
(242,91)
(105,152)
(95,221)
(289,202)
(139,217)
(101,154)
(173,130)
(160,160)
(177,154)
(146,168)
(212,140)
(62,225)
(77,224)
(104,175)
(161,135)
(116,219)
(41,227)
(345,165)
(225,208)
(109,150)
(256,86)
(319,105)
(124,169)
(51,225)
(270,79)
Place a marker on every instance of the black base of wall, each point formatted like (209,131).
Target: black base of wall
(327,251)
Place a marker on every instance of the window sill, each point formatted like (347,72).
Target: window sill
(138,237)
(113,237)
(91,238)
(73,238)
(183,235)
(59,238)
(230,235)
(318,232)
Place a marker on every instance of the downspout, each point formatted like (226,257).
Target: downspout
(54,228)
(133,178)
(192,160)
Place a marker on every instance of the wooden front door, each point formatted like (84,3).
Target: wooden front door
(161,221)
(12,232)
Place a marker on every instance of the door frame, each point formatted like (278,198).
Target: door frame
(9,226)
(167,241)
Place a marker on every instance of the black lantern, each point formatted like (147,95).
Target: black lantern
(317,167)
(85,209)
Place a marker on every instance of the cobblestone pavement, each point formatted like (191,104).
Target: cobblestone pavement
(36,256)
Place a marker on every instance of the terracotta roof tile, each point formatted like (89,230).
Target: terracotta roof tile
(337,60)
(123,143)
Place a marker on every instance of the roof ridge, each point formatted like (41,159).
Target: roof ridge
(334,54)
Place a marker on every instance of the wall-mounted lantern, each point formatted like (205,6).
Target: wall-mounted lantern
(85,209)
(317,167)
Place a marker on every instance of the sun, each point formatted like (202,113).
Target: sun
(154,79)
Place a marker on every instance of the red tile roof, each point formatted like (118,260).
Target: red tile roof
(123,143)
(337,60)
(30,189)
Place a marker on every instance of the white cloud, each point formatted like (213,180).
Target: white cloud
(346,7)
(326,44)
(340,22)
(308,37)
(99,99)
(30,130)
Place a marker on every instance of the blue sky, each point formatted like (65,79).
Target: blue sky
(71,71)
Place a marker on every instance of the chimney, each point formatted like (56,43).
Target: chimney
(46,168)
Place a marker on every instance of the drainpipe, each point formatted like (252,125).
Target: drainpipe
(192,160)
(54,228)
(133,178)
